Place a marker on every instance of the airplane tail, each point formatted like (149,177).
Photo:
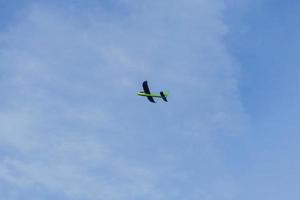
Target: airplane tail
(164,95)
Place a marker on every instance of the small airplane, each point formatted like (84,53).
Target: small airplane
(151,96)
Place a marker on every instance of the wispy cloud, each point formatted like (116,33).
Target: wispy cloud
(70,120)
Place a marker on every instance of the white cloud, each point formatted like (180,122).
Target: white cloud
(72,117)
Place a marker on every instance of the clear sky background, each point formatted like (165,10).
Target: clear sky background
(72,127)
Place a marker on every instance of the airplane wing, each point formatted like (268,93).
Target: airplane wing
(145,87)
(151,99)
(147,91)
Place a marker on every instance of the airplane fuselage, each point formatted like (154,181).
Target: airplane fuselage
(149,95)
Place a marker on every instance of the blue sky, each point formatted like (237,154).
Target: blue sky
(71,126)
(265,42)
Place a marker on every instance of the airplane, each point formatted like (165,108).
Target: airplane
(151,96)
